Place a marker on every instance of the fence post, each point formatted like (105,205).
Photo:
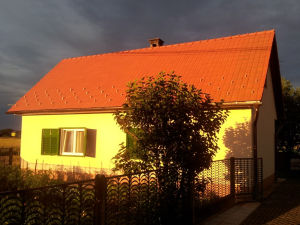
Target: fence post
(10,154)
(232,176)
(100,193)
(35,166)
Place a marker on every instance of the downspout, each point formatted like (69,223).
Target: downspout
(255,113)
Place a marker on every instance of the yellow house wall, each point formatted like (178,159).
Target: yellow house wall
(266,129)
(235,136)
(109,136)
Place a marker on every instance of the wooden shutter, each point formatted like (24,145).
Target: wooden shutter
(50,141)
(131,142)
(54,141)
(91,135)
(46,142)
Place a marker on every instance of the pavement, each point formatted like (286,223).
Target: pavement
(233,216)
(282,207)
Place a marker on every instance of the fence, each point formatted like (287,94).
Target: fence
(249,178)
(72,203)
(130,199)
(73,166)
(10,156)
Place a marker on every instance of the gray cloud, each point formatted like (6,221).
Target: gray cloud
(36,35)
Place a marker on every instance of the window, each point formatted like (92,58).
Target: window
(72,141)
(69,141)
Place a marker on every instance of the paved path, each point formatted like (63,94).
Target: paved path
(234,215)
(282,207)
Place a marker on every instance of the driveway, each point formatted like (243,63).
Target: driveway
(281,207)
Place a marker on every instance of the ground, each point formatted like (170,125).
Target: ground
(282,207)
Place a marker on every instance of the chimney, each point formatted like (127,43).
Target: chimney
(156,42)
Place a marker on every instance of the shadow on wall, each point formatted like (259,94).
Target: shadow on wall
(238,141)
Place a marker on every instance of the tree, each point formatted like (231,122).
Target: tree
(175,127)
(288,132)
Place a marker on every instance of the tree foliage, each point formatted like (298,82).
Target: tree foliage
(291,98)
(174,126)
(288,132)
(177,125)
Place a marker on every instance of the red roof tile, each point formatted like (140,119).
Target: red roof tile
(231,68)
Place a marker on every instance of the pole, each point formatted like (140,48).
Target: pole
(100,194)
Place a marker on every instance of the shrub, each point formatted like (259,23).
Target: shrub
(14,178)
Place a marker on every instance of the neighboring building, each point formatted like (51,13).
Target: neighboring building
(67,117)
(10,133)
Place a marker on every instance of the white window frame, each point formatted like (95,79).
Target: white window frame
(73,153)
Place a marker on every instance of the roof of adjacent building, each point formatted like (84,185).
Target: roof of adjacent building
(232,69)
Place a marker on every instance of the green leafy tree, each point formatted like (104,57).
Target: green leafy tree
(288,131)
(174,126)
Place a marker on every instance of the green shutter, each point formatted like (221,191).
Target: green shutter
(130,140)
(46,142)
(50,141)
(54,142)
(131,143)
(91,136)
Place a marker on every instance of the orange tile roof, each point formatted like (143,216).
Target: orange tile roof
(231,68)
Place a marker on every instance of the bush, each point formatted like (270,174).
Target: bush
(13,178)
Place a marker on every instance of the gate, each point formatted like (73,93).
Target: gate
(248,178)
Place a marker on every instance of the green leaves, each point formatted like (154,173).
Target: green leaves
(13,178)
(179,123)
(288,130)
(173,129)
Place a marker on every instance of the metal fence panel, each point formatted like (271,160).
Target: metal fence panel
(131,199)
(246,182)
(58,204)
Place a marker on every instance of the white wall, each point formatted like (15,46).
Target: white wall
(266,129)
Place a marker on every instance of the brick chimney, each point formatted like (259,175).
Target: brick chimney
(155,42)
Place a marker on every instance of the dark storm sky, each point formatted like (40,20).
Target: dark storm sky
(35,35)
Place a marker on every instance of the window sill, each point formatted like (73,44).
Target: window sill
(72,154)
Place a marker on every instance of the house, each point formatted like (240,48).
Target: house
(10,133)
(67,117)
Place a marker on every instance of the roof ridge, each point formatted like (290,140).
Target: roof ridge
(171,45)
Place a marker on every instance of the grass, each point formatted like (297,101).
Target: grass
(9,142)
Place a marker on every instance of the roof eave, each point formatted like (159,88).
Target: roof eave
(66,111)
(276,80)
(227,105)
